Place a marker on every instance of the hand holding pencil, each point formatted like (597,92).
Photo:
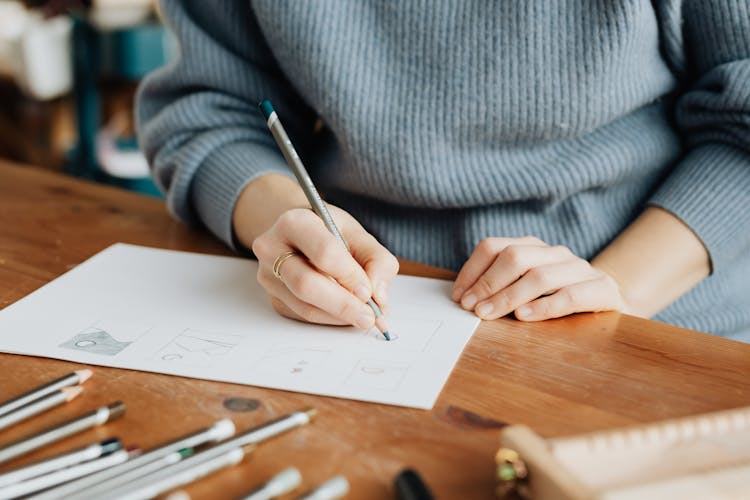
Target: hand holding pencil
(318,265)
(298,257)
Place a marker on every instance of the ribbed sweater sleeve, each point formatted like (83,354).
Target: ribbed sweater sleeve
(709,188)
(199,124)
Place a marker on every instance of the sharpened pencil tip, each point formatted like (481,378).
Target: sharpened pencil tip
(71,392)
(83,375)
(387,335)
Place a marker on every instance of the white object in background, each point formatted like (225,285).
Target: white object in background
(35,52)
(117,14)
(123,164)
(207,317)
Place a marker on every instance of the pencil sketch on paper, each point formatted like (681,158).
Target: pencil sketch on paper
(285,360)
(407,334)
(378,374)
(96,341)
(196,346)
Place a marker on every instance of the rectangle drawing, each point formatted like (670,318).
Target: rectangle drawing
(198,347)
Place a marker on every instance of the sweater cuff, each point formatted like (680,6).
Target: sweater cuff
(709,190)
(222,177)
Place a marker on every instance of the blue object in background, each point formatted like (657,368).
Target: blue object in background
(128,54)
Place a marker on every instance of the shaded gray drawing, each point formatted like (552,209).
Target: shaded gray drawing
(378,374)
(195,346)
(96,341)
(292,360)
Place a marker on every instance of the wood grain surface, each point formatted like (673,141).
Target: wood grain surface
(581,373)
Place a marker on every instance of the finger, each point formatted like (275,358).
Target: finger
(598,294)
(535,283)
(304,231)
(286,304)
(481,259)
(380,265)
(311,287)
(510,264)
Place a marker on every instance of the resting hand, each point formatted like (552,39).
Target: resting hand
(305,290)
(532,279)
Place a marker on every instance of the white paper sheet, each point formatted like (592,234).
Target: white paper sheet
(206,317)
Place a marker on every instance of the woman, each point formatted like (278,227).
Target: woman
(565,156)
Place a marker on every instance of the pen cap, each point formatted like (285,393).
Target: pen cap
(409,486)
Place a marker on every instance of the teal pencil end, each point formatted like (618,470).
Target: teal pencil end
(387,336)
(266,108)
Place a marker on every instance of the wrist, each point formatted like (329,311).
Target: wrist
(261,202)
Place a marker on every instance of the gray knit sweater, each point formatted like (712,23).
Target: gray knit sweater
(448,121)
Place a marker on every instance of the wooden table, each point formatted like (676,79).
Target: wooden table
(561,377)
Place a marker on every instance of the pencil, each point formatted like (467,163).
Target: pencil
(157,457)
(102,489)
(86,421)
(64,475)
(335,487)
(40,405)
(280,484)
(313,197)
(60,461)
(176,475)
(75,378)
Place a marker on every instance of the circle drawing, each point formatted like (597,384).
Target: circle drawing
(85,343)
(171,357)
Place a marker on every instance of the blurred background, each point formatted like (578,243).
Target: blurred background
(68,74)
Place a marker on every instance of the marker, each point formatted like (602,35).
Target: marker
(280,484)
(61,461)
(335,487)
(132,468)
(40,405)
(189,470)
(409,486)
(64,475)
(92,419)
(313,197)
(75,378)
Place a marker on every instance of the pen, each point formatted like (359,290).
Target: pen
(409,486)
(316,202)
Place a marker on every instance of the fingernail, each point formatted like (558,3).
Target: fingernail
(469,301)
(362,292)
(524,311)
(457,293)
(365,322)
(484,310)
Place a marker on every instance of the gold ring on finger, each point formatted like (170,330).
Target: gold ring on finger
(280,261)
